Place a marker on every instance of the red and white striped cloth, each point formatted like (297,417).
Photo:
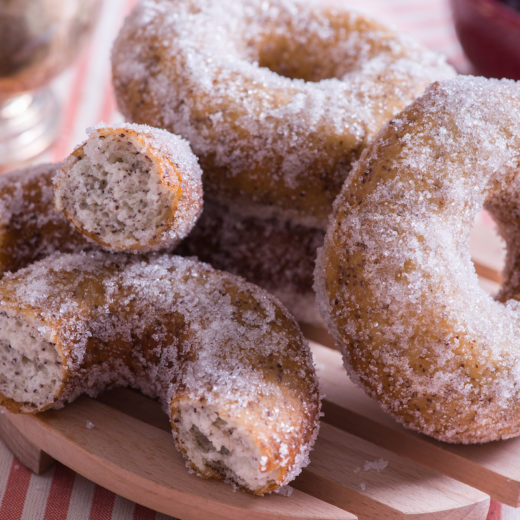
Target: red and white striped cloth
(87,99)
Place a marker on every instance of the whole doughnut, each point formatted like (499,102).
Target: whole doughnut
(131,188)
(395,281)
(276,97)
(227,362)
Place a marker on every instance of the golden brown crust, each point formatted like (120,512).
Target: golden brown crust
(395,280)
(30,227)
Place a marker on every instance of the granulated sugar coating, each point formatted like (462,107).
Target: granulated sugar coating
(131,188)
(30,227)
(227,362)
(276,97)
(273,253)
(395,280)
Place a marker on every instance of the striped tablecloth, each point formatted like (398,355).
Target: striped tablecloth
(87,99)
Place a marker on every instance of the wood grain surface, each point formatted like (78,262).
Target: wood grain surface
(122,442)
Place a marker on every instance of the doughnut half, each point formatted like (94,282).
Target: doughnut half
(227,362)
(131,188)
(395,281)
(276,97)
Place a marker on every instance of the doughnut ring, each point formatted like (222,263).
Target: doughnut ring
(131,188)
(227,362)
(394,279)
(276,97)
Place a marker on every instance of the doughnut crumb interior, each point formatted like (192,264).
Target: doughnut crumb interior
(222,447)
(131,188)
(113,172)
(32,368)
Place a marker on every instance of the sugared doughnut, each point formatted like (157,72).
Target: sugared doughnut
(227,362)
(131,188)
(270,252)
(273,253)
(395,280)
(276,97)
(30,227)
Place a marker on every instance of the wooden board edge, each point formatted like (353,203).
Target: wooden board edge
(152,494)
(424,452)
(347,407)
(27,453)
(312,483)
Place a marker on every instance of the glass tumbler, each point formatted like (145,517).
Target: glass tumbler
(38,39)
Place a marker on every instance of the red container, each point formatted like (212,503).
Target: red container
(489,32)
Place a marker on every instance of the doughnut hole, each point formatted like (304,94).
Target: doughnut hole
(505,212)
(296,46)
(488,251)
(300,59)
(31,369)
(220,446)
(114,193)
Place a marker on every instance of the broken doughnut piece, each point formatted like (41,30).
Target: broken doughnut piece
(228,363)
(131,188)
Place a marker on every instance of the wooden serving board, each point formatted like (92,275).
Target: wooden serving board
(364,464)
(122,441)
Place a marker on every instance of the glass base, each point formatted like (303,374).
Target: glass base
(29,124)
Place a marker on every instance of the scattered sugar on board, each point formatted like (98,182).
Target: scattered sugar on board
(285,491)
(377,465)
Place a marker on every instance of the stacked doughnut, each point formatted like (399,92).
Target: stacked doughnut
(274,253)
(225,359)
(395,280)
(277,98)
(30,226)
